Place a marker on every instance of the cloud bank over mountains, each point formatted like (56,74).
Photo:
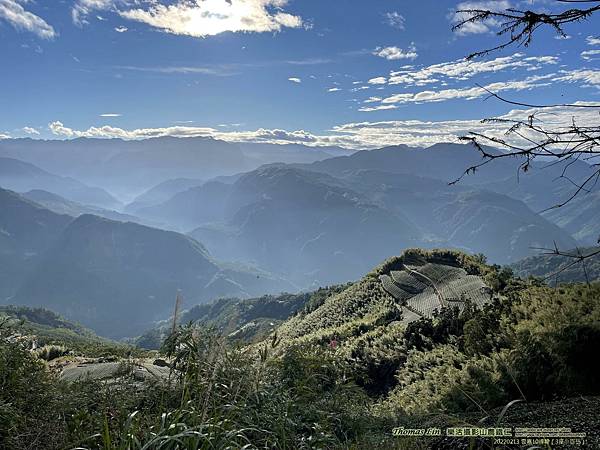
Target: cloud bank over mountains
(358,135)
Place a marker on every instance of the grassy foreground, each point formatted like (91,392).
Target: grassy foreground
(533,343)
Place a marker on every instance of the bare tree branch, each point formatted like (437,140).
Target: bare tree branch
(521,25)
(532,138)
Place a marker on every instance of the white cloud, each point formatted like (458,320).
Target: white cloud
(82,8)
(106,131)
(377,108)
(395,19)
(30,130)
(395,53)
(13,12)
(378,80)
(333,89)
(295,80)
(589,77)
(110,115)
(424,133)
(200,18)
(361,135)
(592,40)
(4,136)
(121,29)
(468,93)
(223,71)
(261,135)
(464,70)
(590,54)
(372,100)
(486,26)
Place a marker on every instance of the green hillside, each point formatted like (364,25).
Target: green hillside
(366,304)
(47,329)
(347,367)
(244,320)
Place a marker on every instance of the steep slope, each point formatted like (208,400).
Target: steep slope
(561,269)
(118,277)
(459,216)
(27,230)
(315,228)
(544,185)
(47,327)
(21,176)
(61,205)
(504,228)
(580,217)
(370,307)
(187,209)
(308,226)
(161,193)
(243,320)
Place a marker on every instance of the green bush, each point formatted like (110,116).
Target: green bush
(50,352)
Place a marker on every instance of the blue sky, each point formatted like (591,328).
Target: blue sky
(344,72)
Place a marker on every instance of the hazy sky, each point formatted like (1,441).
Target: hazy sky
(354,73)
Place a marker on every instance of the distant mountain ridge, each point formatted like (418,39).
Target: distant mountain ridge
(561,268)
(303,224)
(21,176)
(330,226)
(161,193)
(543,186)
(309,222)
(134,166)
(114,277)
(61,205)
(27,230)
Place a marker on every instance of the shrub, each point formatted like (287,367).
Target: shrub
(50,352)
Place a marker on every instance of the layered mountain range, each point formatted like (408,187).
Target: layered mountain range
(329,221)
(115,277)
(219,219)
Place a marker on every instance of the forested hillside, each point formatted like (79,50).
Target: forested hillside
(242,320)
(349,364)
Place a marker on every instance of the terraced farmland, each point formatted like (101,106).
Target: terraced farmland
(437,273)
(407,282)
(423,287)
(394,289)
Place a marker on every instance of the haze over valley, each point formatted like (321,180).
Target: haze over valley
(102,249)
(299,224)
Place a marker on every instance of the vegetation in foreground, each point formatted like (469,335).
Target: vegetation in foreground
(344,385)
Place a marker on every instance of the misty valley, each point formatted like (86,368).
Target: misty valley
(284,224)
(280,227)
